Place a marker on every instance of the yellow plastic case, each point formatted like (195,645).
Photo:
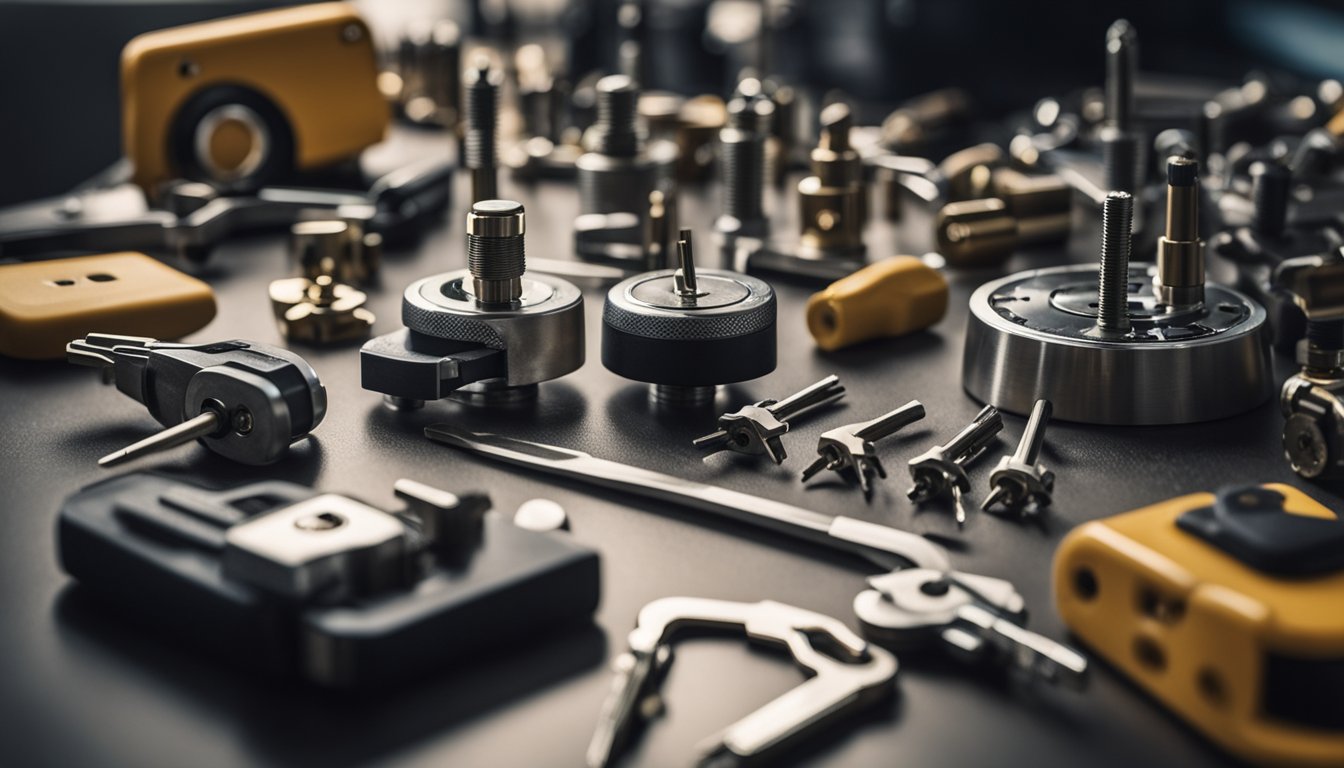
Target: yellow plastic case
(1251,659)
(46,304)
(313,64)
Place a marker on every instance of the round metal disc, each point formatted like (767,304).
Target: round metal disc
(1033,336)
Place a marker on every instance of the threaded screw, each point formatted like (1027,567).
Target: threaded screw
(1117,219)
(495,255)
(480,153)
(743,158)
(616,131)
(1270,186)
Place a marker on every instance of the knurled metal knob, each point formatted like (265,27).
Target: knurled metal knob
(686,330)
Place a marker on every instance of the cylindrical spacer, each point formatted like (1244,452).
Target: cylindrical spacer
(1180,252)
(495,255)
(1271,183)
(1117,218)
(617,131)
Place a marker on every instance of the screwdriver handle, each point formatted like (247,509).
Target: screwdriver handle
(890,423)
(892,297)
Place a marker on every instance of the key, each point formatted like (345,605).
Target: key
(975,618)
(849,449)
(247,402)
(1020,484)
(756,429)
(941,471)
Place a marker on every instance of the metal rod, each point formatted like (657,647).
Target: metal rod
(201,426)
(885,546)
(827,390)
(891,423)
(685,277)
(1029,449)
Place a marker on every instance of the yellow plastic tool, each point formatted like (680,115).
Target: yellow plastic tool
(45,304)
(1229,609)
(893,297)
(247,98)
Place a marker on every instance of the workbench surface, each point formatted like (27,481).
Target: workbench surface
(84,685)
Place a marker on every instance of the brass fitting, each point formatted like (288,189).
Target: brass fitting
(320,311)
(1025,210)
(833,201)
(1180,253)
(335,247)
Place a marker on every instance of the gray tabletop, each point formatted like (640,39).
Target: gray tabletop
(85,685)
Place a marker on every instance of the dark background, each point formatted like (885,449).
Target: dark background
(84,685)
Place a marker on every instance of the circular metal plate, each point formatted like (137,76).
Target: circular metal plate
(733,304)
(1033,335)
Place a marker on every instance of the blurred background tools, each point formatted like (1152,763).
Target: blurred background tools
(244,401)
(861,676)
(1215,604)
(892,297)
(222,135)
(281,579)
(45,304)
(756,429)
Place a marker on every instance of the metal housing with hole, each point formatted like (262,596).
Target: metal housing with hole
(1034,336)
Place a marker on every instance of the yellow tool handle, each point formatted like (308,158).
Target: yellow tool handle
(893,297)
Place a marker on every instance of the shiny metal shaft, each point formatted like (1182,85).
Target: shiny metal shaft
(1117,219)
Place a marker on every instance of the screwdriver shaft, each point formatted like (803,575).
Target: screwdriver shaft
(1029,449)
(825,391)
(205,424)
(892,422)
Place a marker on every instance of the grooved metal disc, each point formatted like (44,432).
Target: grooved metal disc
(726,335)
(1033,335)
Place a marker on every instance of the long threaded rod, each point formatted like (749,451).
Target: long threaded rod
(1117,219)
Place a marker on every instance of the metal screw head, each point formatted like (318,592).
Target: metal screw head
(242,421)
(322,521)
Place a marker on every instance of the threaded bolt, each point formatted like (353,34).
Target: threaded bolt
(1117,219)
(1122,59)
(480,153)
(495,255)
(743,158)
(616,131)
(1270,186)
(1326,334)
